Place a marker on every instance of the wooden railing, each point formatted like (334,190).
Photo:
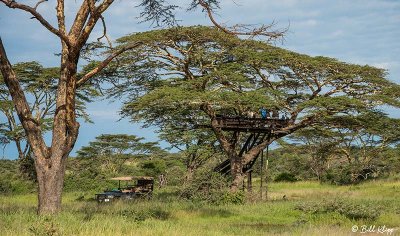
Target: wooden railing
(250,124)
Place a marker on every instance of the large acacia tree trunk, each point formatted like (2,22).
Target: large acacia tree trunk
(50,161)
(51,169)
(236,172)
(50,177)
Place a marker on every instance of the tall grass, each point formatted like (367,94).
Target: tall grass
(308,208)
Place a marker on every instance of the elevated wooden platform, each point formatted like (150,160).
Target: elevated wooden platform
(244,124)
(252,140)
(258,130)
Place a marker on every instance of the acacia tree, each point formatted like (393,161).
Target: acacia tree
(354,141)
(108,147)
(118,144)
(206,72)
(39,84)
(195,145)
(50,160)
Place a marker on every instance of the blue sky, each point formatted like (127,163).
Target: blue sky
(356,31)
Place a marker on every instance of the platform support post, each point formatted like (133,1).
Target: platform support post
(249,182)
(261,174)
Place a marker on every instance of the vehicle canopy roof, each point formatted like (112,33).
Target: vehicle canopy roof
(129,178)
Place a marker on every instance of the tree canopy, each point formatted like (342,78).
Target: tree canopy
(118,144)
(40,85)
(184,77)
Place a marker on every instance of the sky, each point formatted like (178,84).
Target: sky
(356,31)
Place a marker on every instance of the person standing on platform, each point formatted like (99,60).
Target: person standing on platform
(275,114)
(264,113)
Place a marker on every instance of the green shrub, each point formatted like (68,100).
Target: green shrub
(210,187)
(11,181)
(27,168)
(233,198)
(154,167)
(285,177)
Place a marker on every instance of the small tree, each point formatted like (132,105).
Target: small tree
(39,84)
(196,146)
(118,144)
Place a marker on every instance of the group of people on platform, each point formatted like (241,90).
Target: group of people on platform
(274,114)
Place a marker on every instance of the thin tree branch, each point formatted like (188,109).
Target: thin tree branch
(245,30)
(39,17)
(38,3)
(104,32)
(105,63)
(95,14)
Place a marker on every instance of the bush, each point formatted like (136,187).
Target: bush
(233,198)
(27,168)
(154,167)
(45,227)
(210,187)
(285,177)
(10,179)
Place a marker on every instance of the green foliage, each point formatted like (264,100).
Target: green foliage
(210,187)
(232,198)
(45,227)
(11,181)
(183,77)
(154,167)
(5,186)
(228,73)
(302,163)
(94,173)
(27,168)
(118,144)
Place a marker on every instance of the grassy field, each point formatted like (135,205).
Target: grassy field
(309,208)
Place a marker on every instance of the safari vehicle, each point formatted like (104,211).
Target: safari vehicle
(136,186)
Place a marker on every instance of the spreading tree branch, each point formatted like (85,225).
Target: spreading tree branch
(31,126)
(95,15)
(32,10)
(105,63)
